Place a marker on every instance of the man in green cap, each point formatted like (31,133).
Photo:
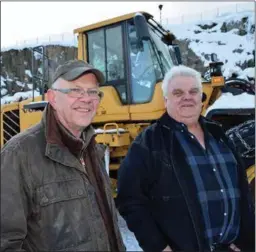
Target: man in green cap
(55,191)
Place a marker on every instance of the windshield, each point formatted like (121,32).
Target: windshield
(106,53)
(162,50)
(145,68)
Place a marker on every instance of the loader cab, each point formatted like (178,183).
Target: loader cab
(132,53)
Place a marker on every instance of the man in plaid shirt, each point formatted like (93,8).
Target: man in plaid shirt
(189,188)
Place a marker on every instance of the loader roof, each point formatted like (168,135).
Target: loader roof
(110,21)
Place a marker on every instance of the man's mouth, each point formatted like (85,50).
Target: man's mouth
(83,110)
(187,105)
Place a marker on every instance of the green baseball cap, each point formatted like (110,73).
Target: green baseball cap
(73,69)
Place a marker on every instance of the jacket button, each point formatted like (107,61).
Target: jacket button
(80,192)
(45,200)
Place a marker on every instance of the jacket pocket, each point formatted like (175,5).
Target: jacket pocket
(65,217)
(165,186)
(60,191)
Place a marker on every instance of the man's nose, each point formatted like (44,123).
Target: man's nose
(85,97)
(187,95)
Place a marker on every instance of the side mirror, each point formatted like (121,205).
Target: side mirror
(141,27)
(177,54)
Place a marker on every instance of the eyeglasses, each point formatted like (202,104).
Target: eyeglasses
(80,92)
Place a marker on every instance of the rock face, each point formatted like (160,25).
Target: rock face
(188,57)
(17,70)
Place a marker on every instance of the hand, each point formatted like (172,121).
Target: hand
(169,249)
(234,247)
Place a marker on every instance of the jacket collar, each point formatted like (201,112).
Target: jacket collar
(214,127)
(61,145)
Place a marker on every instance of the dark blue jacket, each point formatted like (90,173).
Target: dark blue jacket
(157,194)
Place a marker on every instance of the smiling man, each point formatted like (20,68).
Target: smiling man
(55,192)
(189,190)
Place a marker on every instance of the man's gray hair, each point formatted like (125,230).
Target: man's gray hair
(180,71)
(56,83)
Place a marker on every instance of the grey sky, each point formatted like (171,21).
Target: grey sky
(27,20)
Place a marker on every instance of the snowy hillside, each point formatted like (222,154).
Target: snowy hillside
(231,37)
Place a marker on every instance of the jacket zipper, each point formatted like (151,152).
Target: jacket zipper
(82,161)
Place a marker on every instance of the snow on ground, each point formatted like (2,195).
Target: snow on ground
(128,237)
(250,72)
(228,100)
(226,45)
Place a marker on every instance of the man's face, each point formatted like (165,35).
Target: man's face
(75,113)
(184,100)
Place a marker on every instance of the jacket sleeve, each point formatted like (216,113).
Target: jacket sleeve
(246,237)
(132,201)
(14,208)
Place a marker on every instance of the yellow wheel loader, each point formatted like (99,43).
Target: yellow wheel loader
(134,52)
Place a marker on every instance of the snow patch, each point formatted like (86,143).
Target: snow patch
(28,72)
(3,91)
(224,44)
(228,100)
(249,72)
(3,82)
(30,86)
(101,131)
(18,97)
(37,55)
(19,83)
(129,239)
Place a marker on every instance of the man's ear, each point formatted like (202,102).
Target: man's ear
(51,97)
(165,102)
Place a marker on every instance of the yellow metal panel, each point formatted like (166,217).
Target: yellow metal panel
(6,108)
(118,151)
(114,167)
(151,110)
(109,22)
(29,118)
(135,128)
(113,139)
(250,173)
(207,89)
(82,53)
(111,108)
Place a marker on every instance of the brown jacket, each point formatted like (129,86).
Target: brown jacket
(49,201)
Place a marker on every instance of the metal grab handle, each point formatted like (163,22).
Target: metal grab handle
(111,124)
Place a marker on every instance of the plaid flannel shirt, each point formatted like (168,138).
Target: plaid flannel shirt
(215,172)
